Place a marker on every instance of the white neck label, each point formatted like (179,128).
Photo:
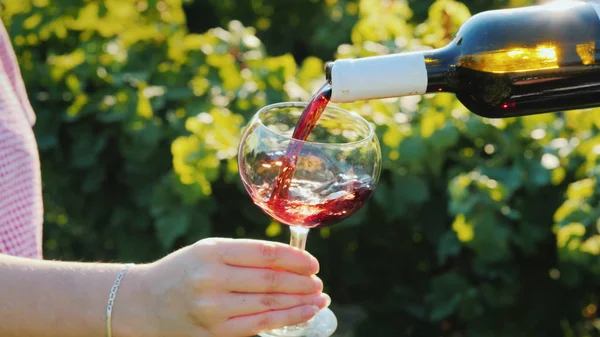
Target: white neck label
(376,77)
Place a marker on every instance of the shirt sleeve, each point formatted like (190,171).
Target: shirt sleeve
(21,207)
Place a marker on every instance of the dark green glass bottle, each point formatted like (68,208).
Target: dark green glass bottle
(502,63)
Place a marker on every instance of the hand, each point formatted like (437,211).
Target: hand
(231,288)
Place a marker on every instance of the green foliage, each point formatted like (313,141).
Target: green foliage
(308,27)
(478,228)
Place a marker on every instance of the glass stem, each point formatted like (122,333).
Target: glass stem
(298,236)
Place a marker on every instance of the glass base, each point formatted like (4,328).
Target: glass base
(322,325)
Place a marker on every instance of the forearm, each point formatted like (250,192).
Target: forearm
(64,299)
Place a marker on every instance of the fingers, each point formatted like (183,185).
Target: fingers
(246,304)
(263,254)
(254,324)
(259,280)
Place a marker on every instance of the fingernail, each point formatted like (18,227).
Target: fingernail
(318,283)
(325,299)
(311,310)
(314,264)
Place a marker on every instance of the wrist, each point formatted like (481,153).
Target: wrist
(131,316)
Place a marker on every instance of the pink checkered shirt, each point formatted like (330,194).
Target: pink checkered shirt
(21,210)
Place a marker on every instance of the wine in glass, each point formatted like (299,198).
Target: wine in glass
(309,165)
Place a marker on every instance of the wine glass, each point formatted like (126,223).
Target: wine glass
(308,184)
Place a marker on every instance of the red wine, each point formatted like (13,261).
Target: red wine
(311,204)
(501,63)
(309,118)
(305,203)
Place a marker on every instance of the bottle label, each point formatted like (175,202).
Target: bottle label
(376,77)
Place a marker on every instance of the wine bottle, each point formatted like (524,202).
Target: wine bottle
(501,63)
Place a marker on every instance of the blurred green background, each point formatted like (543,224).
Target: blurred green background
(479,228)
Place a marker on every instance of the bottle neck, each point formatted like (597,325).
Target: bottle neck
(440,65)
(385,76)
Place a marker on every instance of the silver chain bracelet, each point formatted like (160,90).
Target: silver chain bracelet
(111,297)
